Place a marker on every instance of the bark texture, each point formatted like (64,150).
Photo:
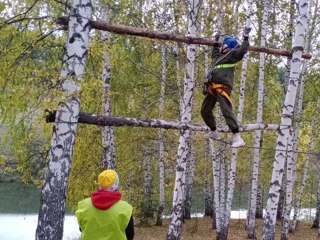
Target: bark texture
(286,121)
(54,190)
(175,226)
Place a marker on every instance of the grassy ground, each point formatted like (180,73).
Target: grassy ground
(200,229)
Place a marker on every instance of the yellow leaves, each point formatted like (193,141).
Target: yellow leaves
(3,160)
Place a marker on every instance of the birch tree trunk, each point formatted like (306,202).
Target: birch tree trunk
(54,190)
(259,211)
(289,187)
(299,110)
(147,202)
(251,234)
(218,210)
(301,190)
(234,156)
(175,226)
(286,122)
(282,195)
(189,177)
(291,165)
(161,136)
(208,194)
(316,221)
(108,141)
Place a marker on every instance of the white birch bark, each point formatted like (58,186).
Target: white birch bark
(311,20)
(161,136)
(54,190)
(108,141)
(175,226)
(251,234)
(292,163)
(216,187)
(286,122)
(259,205)
(301,189)
(208,194)
(289,187)
(147,204)
(209,197)
(189,176)
(234,156)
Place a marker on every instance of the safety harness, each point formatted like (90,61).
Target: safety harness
(221,88)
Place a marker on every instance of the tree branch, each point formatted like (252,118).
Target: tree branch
(142,32)
(101,120)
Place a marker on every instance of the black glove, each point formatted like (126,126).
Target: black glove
(246,31)
(217,37)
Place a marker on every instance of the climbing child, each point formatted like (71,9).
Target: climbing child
(220,84)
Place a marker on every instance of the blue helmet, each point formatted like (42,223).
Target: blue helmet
(231,42)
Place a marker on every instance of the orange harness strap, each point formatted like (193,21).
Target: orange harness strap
(219,87)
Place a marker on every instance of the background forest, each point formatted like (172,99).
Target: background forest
(31,50)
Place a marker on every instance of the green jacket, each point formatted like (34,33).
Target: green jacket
(109,224)
(220,73)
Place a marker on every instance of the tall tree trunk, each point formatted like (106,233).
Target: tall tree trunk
(189,176)
(175,226)
(258,134)
(286,122)
(316,222)
(218,209)
(259,211)
(54,190)
(146,211)
(301,190)
(289,188)
(108,141)
(234,156)
(208,194)
(161,136)
(282,195)
(299,110)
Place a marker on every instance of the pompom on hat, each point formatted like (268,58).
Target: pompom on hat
(108,180)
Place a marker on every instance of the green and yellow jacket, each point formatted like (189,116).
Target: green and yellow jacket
(104,216)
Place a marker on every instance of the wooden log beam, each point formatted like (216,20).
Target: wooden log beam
(101,120)
(142,32)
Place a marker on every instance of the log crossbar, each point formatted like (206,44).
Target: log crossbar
(142,32)
(101,120)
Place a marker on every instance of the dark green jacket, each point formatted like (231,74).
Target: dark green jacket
(221,74)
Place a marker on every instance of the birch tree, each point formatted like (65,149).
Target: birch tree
(108,141)
(175,226)
(286,122)
(258,134)
(189,175)
(301,189)
(234,156)
(161,137)
(54,190)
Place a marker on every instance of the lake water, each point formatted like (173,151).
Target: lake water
(23,227)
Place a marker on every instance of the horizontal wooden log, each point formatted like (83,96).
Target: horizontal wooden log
(143,32)
(101,120)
